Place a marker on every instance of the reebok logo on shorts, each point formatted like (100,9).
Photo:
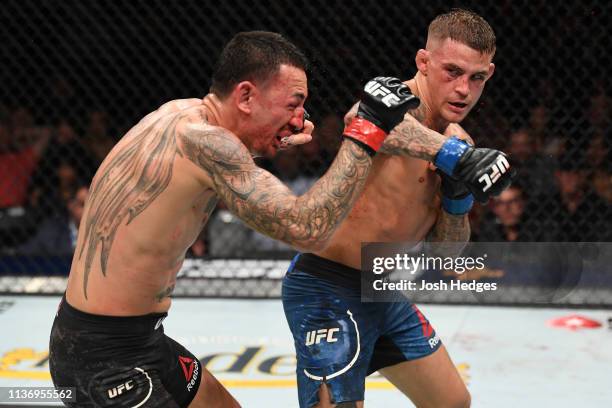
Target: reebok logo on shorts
(191,370)
(433,342)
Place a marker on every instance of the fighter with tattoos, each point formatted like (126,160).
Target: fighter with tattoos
(423,193)
(153,194)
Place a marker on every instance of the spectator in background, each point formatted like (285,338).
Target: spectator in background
(536,170)
(65,163)
(511,221)
(599,113)
(21,146)
(57,235)
(482,120)
(601,180)
(598,152)
(328,133)
(543,135)
(98,137)
(579,212)
(60,98)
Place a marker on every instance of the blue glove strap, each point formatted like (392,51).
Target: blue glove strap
(449,154)
(458,207)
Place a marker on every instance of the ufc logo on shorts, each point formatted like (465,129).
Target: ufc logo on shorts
(315,336)
(500,166)
(118,390)
(374,88)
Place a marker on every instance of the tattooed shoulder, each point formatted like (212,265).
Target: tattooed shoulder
(212,148)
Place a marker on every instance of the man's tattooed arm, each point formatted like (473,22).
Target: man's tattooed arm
(411,138)
(266,204)
(450,235)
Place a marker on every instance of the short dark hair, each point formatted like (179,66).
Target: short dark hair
(466,27)
(253,56)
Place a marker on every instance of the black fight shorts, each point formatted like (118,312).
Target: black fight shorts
(120,361)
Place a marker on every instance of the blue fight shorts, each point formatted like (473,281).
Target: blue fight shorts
(338,339)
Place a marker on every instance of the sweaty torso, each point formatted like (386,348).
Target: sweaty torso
(399,203)
(147,205)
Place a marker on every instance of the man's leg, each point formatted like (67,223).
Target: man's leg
(325,400)
(190,383)
(431,381)
(334,336)
(411,355)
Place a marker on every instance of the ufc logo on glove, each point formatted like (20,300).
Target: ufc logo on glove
(498,168)
(375,88)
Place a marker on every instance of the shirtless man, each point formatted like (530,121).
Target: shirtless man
(153,194)
(338,339)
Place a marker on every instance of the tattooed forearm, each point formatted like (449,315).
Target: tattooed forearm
(411,138)
(450,235)
(263,202)
(126,186)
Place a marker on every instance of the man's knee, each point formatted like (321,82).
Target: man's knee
(455,399)
(326,402)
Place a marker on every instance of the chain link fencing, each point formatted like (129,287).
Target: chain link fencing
(76,75)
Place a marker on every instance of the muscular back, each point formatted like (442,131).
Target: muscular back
(147,204)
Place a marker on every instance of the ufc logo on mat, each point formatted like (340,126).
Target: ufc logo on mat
(376,89)
(498,168)
(315,336)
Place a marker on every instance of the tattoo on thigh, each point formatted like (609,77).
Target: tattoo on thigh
(348,404)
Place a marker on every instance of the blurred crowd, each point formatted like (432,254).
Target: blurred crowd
(563,191)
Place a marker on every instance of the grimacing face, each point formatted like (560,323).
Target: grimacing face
(278,110)
(455,75)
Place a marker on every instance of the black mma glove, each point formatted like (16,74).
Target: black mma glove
(485,172)
(383,105)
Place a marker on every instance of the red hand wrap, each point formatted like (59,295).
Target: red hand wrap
(366,132)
